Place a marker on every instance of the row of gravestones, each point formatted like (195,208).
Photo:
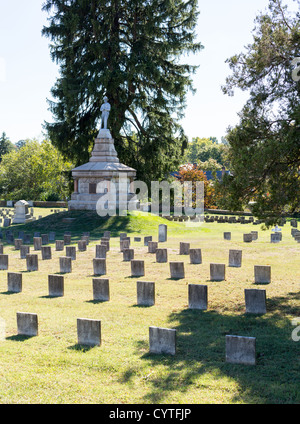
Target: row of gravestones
(239,349)
(276,237)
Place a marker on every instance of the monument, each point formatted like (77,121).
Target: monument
(21,215)
(93,179)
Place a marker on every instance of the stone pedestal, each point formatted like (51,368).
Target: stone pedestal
(21,213)
(103,165)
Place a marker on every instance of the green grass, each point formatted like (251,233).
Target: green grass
(52,368)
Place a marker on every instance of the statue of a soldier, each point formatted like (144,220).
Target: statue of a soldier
(105,109)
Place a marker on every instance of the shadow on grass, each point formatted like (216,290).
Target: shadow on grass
(81,348)
(19,338)
(201,352)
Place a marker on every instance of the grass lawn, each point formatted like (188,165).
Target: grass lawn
(53,368)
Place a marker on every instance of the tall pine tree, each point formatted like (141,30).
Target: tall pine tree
(130,51)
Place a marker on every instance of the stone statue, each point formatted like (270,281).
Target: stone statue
(105,109)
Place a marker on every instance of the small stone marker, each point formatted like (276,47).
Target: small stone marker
(59,245)
(152,246)
(161,255)
(177,270)
(137,239)
(27,239)
(32,262)
(262,274)
(217,272)
(162,340)
(241,350)
(184,248)
(101,289)
(88,332)
(227,236)
(197,296)
(195,256)
(81,245)
(147,239)
(145,293)
(56,285)
(18,244)
(6,222)
(247,238)
(99,266)
(276,237)
(124,244)
(45,239)
(27,324)
(37,243)
(162,233)
(71,252)
(235,258)
(65,264)
(46,253)
(128,255)
(24,251)
(107,234)
(67,239)
(123,235)
(51,236)
(255,301)
(105,243)
(100,251)
(137,268)
(254,235)
(14,282)
(1,249)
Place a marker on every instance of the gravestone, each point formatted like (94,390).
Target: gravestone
(14,282)
(24,250)
(197,296)
(137,268)
(88,332)
(107,234)
(46,253)
(162,233)
(32,262)
(37,243)
(3,262)
(195,256)
(1,249)
(145,293)
(241,350)
(254,235)
(27,239)
(275,238)
(177,270)
(65,264)
(100,251)
(255,301)
(235,258)
(123,235)
(27,324)
(71,252)
(18,244)
(184,248)
(147,239)
(162,340)
(56,285)
(101,289)
(86,239)
(59,245)
(81,245)
(137,239)
(105,243)
(45,239)
(262,274)
(217,272)
(161,255)
(227,236)
(124,244)
(128,255)
(247,238)
(51,236)
(99,266)
(67,239)
(6,222)
(152,246)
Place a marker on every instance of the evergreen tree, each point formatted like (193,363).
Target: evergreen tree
(130,51)
(6,145)
(264,148)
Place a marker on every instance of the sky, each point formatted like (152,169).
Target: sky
(27,72)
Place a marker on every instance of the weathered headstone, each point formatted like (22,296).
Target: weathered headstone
(67,239)
(161,255)
(255,301)
(24,250)
(46,253)
(241,350)
(27,324)
(51,236)
(152,246)
(162,340)
(71,252)
(88,332)
(32,262)
(100,251)
(162,233)
(227,236)
(37,243)
(247,238)
(99,266)
(123,235)
(254,235)
(124,244)
(177,270)
(137,268)
(107,234)
(184,248)
(217,272)
(128,255)
(18,244)
(137,239)
(45,239)
(145,293)
(81,245)
(65,264)
(262,274)
(59,245)
(14,282)
(195,256)
(235,258)
(56,285)
(197,296)
(147,239)
(86,239)
(101,289)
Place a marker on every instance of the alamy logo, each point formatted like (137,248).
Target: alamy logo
(296,331)
(296,71)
